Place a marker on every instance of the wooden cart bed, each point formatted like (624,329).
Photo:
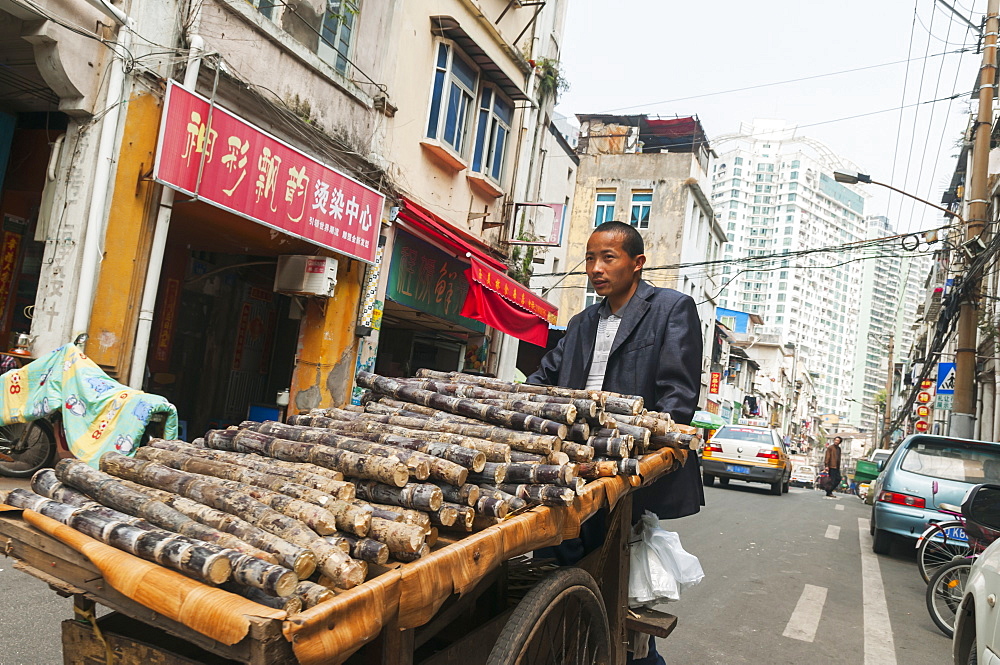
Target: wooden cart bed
(400,599)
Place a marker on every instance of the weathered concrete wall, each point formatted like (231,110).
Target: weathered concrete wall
(665,174)
(280,56)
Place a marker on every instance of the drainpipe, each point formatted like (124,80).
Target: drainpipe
(147,306)
(91,253)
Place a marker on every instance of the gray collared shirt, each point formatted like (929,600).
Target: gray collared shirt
(607,328)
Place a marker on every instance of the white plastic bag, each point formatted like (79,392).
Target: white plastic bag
(660,568)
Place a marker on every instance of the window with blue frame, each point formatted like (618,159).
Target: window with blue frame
(496,116)
(452,96)
(642,202)
(604,210)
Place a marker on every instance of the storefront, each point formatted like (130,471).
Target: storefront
(26,141)
(447,297)
(422,325)
(259,274)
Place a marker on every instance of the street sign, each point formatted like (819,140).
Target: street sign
(924,398)
(923,410)
(946,379)
(944,402)
(922,426)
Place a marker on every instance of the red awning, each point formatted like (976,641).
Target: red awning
(459,241)
(500,302)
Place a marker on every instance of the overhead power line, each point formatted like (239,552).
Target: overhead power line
(787,81)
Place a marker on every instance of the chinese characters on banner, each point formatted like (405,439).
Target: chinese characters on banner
(8,263)
(513,292)
(713,387)
(425,278)
(229,163)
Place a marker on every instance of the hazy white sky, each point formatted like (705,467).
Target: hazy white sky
(642,54)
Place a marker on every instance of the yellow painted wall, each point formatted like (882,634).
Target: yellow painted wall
(127,240)
(327,353)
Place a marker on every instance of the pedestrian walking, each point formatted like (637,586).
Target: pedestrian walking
(831,460)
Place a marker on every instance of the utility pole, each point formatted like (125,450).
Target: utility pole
(964,411)
(887,407)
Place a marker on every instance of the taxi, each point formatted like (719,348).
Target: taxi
(754,454)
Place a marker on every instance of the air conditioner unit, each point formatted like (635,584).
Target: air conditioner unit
(306,275)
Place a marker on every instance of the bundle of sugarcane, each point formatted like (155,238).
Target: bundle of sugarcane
(541,444)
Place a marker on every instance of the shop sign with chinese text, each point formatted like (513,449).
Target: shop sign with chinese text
(713,387)
(217,157)
(426,279)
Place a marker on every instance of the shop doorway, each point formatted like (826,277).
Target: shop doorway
(410,340)
(224,342)
(26,143)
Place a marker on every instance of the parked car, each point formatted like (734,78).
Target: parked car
(977,628)
(924,472)
(746,452)
(803,476)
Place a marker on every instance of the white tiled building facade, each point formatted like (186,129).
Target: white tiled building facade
(775,195)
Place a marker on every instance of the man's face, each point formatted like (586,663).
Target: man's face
(610,269)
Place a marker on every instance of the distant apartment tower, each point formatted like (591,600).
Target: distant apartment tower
(891,286)
(775,196)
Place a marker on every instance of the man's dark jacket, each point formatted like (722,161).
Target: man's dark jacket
(656,354)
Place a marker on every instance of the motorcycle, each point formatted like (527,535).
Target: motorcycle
(102,413)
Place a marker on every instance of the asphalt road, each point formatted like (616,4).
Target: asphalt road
(772,565)
(783,584)
(30,613)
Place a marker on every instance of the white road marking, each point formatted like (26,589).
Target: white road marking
(833,532)
(839,506)
(805,617)
(879,648)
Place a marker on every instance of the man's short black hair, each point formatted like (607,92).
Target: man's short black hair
(631,240)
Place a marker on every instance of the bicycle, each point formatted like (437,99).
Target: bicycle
(946,586)
(945,592)
(942,542)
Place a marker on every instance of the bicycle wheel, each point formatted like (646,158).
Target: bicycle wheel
(939,545)
(31,445)
(561,621)
(944,594)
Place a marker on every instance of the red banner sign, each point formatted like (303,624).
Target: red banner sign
(713,387)
(8,262)
(241,336)
(513,292)
(168,318)
(217,157)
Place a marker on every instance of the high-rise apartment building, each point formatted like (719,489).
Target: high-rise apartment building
(890,287)
(775,196)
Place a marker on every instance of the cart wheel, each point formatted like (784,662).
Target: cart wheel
(561,621)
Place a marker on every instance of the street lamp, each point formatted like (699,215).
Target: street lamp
(855,178)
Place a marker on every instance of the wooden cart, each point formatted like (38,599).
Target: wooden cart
(452,606)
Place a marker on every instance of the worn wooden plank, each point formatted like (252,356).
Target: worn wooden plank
(39,552)
(131,643)
(657,624)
